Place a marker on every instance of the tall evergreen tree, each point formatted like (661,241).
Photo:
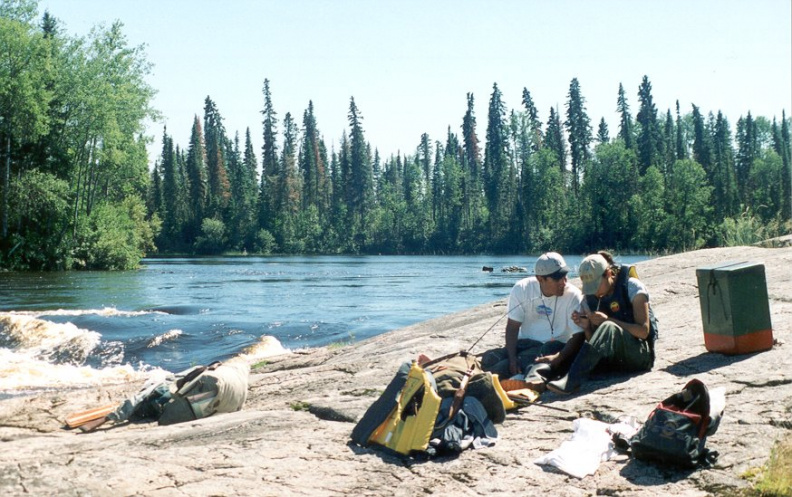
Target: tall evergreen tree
(578,126)
(554,139)
(312,164)
(436,189)
(269,159)
(603,135)
(669,143)
(747,152)
(650,140)
(498,175)
(681,141)
(171,215)
(247,217)
(287,195)
(360,179)
(533,120)
(217,172)
(725,197)
(424,157)
(702,141)
(154,199)
(197,177)
(471,165)
(450,223)
(625,121)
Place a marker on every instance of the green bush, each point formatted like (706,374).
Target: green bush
(114,236)
(212,238)
(265,242)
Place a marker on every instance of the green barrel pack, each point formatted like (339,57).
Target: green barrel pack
(735,309)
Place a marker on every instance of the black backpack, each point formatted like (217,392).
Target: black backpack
(676,430)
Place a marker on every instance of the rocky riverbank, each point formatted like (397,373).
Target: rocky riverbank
(292,437)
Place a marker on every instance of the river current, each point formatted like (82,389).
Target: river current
(76,329)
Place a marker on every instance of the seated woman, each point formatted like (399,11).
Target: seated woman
(618,323)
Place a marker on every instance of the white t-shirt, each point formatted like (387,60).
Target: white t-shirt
(544,318)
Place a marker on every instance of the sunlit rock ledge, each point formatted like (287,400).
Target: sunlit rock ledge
(292,437)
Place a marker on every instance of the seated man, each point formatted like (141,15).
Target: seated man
(541,336)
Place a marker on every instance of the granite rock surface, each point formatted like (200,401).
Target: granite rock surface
(292,437)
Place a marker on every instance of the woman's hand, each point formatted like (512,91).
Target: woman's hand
(597,318)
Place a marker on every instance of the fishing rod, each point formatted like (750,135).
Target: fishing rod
(519,304)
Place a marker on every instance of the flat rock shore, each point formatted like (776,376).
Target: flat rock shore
(292,437)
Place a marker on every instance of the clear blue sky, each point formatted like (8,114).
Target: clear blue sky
(410,64)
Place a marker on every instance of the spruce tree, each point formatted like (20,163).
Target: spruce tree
(625,120)
(669,143)
(287,195)
(312,163)
(681,141)
(650,144)
(269,159)
(215,141)
(453,177)
(498,175)
(361,186)
(602,132)
(702,141)
(247,218)
(197,178)
(436,189)
(424,157)
(725,197)
(747,153)
(533,120)
(578,125)
(171,221)
(554,140)
(471,165)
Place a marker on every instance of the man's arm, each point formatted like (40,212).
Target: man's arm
(512,334)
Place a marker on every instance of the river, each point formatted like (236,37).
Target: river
(74,329)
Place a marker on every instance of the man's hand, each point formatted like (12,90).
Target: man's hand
(514,367)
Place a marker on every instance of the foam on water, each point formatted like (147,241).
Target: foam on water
(268,346)
(44,340)
(165,337)
(36,354)
(105,311)
(20,374)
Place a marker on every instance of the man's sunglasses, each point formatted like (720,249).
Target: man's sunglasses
(557,276)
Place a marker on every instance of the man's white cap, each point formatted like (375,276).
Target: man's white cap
(549,263)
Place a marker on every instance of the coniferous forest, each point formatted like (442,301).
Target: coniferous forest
(77,190)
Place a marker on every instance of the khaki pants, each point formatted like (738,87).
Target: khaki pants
(619,350)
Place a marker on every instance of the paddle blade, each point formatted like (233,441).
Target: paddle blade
(80,418)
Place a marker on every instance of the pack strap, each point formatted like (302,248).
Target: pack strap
(195,373)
